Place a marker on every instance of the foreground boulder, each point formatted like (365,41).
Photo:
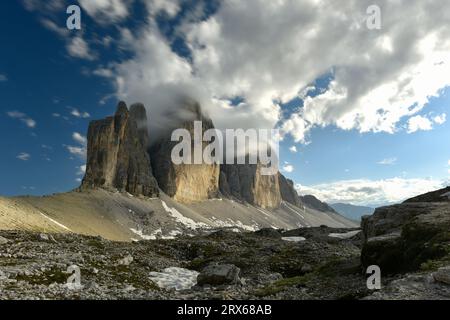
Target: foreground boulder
(219,274)
(407,237)
(116,154)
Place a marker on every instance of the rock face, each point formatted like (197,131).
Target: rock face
(442,195)
(288,192)
(116,153)
(184,182)
(245,182)
(404,237)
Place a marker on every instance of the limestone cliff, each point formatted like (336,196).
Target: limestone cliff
(116,153)
(184,182)
(245,182)
(288,192)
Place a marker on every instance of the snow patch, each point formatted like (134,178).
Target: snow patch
(345,235)
(55,222)
(188,222)
(229,223)
(151,236)
(293,239)
(175,278)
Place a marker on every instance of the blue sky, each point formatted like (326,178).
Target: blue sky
(51,89)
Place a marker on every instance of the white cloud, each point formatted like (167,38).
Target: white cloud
(288,168)
(440,119)
(52,26)
(77,47)
(79,138)
(30,123)
(293,149)
(81,170)
(417,123)
(3,77)
(268,52)
(371,192)
(106,10)
(388,161)
(79,150)
(78,114)
(171,7)
(103,72)
(23,156)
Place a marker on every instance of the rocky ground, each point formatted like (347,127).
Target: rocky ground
(34,265)
(409,242)
(267,264)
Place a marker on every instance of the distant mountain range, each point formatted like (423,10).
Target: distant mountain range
(351,211)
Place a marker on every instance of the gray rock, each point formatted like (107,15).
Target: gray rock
(3,240)
(126,261)
(442,275)
(44,237)
(219,274)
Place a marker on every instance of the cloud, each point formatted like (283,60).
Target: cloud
(81,170)
(106,11)
(440,119)
(417,123)
(77,47)
(79,150)
(371,192)
(79,138)
(388,161)
(377,77)
(103,72)
(288,168)
(52,26)
(293,149)
(30,123)
(23,156)
(3,77)
(76,113)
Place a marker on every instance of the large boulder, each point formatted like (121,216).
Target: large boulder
(116,154)
(184,182)
(401,238)
(219,274)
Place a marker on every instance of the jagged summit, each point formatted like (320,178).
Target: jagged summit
(116,156)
